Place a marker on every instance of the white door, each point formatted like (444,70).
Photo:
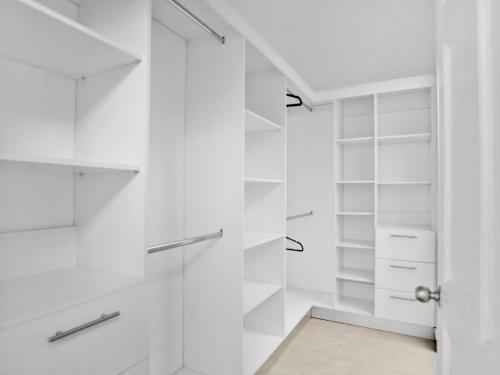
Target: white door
(469,262)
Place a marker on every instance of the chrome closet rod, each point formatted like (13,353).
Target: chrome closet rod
(184,242)
(197,20)
(293,217)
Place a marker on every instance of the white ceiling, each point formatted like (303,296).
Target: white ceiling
(335,43)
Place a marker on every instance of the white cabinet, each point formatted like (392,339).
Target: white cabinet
(403,275)
(406,244)
(403,307)
(103,349)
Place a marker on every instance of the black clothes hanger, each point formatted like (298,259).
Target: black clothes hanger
(299,104)
(298,243)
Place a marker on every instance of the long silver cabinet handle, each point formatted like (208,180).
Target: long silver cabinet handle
(403,236)
(403,268)
(404,299)
(104,317)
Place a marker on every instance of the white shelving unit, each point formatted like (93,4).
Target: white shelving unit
(384,178)
(73,133)
(264,222)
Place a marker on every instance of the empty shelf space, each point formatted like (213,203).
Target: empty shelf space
(75,166)
(64,47)
(356,244)
(404,183)
(256,123)
(254,239)
(405,138)
(355,182)
(40,294)
(355,141)
(356,275)
(252,180)
(355,305)
(299,302)
(187,371)
(257,348)
(355,213)
(254,293)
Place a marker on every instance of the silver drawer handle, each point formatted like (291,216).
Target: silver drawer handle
(403,236)
(403,268)
(61,334)
(404,299)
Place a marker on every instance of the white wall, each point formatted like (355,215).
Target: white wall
(166,198)
(310,168)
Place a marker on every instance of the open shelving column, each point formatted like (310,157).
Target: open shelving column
(73,138)
(355,192)
(264,222)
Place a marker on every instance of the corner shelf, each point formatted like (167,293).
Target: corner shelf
(355,141)
(75,166)
(256,123)
(254,239)
(40,294)
(356,275)
(404,138)
(64,47)
(255,293)
(356,244)
(355,305)
(355,182)
(251,180)
(355,213)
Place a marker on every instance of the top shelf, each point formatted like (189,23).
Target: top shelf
(35,35)
(256,123)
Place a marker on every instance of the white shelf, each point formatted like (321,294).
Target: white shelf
(34,34)
(299,302)
(355,305)
(355,141)
(75,166)
(257,348)
(254,239)
(251,180)
(187,371)
(355,182)
(254,293)
(256,123)
(404,183)
(36,295)
(405,138)
(356,275)
(355,213)
(356,244)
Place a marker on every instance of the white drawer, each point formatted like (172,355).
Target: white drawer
(406,244)
(403,275)
(104,349)
(402,306)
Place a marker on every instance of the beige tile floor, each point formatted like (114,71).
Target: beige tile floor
(320,347)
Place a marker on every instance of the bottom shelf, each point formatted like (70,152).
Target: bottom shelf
(355,305)
(299,302)
(36,295)
(257,348)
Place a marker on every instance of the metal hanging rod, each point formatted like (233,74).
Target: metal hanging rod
(197,20)
(293,217)
(184,242)
(301,103)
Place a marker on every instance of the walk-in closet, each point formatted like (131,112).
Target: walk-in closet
(215,187)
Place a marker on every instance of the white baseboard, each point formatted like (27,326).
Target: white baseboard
(374,322)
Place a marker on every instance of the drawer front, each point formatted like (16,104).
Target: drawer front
(411,245)
(104,349)
(402,306)
(403,275)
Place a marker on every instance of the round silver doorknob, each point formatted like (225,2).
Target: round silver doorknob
(424,294)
